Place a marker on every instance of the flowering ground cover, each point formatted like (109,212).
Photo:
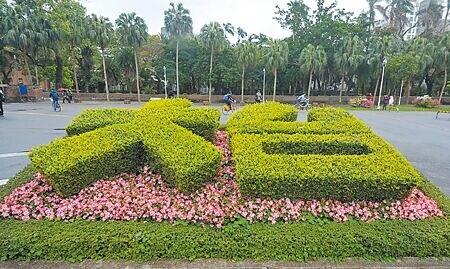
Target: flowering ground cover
(146,197)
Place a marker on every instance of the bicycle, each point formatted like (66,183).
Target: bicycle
(226,109)
(303,105)
(56,105)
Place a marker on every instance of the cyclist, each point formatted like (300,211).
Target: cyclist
(55,97)
(302,102)
(228,99)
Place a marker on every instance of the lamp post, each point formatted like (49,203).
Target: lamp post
(264,85)
(381,87)
(165,82)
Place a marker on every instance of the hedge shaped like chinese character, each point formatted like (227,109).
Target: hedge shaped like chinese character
(154,136)
(333,156)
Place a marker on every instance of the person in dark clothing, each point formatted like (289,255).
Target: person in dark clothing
(2,99)
(67,95)
(55,97)
(385,101)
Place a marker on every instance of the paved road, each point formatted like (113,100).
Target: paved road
(423,140)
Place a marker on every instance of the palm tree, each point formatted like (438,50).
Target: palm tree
(348,58)
(430,18)
(241,34)
(213,37)
(277,58)
(228,28)
(133,33)
(77,32)
(442,55)
(178,23)
(372,4)
(312,60)
(101,32)
(247,55)
(396,12)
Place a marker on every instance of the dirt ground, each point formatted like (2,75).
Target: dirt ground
(214,263)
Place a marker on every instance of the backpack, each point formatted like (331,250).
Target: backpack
(225,97)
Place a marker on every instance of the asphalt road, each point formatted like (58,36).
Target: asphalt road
(423,140)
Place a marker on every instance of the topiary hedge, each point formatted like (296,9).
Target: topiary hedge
(151,138)
(333,156)
(91,119)
(140,241)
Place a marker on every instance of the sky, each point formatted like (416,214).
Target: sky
(254,16)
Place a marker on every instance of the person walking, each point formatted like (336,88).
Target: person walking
(385,101)
(2,99)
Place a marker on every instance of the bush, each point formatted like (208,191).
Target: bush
(425,102)
(141,241)
(360,102)
(92,119)
(73,163)
(338,167)
(274,159)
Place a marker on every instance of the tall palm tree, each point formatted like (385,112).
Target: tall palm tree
(247,55)
(348,58)
(178,23)
(213,37)
(277,57)
(101,32)
(228,28)
(241,34)
(372,4)
(133,33)
(396,12)
(312,60)
(430,18)
(442,55)
(77,32)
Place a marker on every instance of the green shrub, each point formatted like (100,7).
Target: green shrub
(92,119)
(24,176)
(152,138)
(362,167)
(333,155)
(140,241)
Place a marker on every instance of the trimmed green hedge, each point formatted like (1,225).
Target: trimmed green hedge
(139,241)
(366,172)
(152,138)
(333,156)
(91,119)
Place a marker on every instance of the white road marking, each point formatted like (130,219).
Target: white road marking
(9,155)
(41,114)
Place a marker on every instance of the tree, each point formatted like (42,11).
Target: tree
(348,58)
(101,31)
(372,4)
(178,23)
(312,60)
(442,54)
(213,38)
(276,58)
(430,18)
(423,50)
(396,12)
(403,67)
(247,55)
(133,33)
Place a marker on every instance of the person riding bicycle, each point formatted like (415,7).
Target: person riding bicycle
(228,99)
(55,97)
(302,100)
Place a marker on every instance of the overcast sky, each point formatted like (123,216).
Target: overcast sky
(254,16)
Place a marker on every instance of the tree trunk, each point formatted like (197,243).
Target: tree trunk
(274,84)
(178,81)
(374,95)
(74,70)
(104,75)
(446,17)
(309,84)
(210,75)
(445,81)
(242,85)
(342,88)
(408,92)
(28,75)
(137,77)
(59,69)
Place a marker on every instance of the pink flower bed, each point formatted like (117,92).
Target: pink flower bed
(146,196)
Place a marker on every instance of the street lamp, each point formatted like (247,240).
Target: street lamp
(381,87)
(264,85)
(165,82)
